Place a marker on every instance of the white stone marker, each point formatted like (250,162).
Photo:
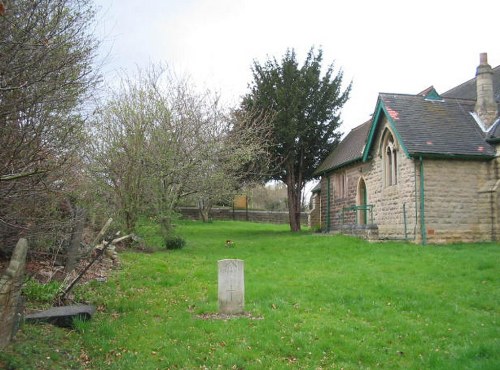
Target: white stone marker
(231,286)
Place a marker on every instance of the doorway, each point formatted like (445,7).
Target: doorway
(362,202)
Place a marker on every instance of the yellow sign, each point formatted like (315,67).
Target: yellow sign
(240,202)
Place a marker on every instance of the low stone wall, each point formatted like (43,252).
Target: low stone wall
(367,232)
(227,214)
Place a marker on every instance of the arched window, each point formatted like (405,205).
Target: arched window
(390,160)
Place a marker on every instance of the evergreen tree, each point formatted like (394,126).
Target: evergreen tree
(305,108)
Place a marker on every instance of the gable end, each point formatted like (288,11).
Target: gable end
(391,116)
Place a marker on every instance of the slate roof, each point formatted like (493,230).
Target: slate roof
(349,150)
(494,133)
(425,125)
(467,90)
(438,127)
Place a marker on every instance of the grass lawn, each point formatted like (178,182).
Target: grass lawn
(316,302)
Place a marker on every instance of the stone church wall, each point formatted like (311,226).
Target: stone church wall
(461,198)
(455,208)
(395,211)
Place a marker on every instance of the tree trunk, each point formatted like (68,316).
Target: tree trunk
(294,196)
(204,214)
(166,226)
(204,209)
(130,221)
(73,252)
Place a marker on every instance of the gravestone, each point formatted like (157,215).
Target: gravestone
(10,293)
(63,316)
(231,286)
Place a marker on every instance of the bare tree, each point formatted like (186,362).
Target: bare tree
(142,148)
(234,144)
(46,72)
(158,141)
(120,132)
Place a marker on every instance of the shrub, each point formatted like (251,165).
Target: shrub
(174,242)
(316,229)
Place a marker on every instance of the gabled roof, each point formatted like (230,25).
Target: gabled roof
(427,124)
(348,151)
(431,127)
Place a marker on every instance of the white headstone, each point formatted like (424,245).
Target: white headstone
(231,286)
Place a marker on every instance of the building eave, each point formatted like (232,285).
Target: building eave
(335,168)
(477,157)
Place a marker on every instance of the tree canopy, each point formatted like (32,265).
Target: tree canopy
(46,72)
(158,141)
(305,105)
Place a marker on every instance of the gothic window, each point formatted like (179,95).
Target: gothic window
(341,185)
(390,161)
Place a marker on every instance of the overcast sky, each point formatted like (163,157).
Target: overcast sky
(382,46)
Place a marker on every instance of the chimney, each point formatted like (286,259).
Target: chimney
(486,106)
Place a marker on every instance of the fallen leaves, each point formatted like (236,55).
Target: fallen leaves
(84,358)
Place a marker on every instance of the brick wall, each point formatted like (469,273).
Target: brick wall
(337,200)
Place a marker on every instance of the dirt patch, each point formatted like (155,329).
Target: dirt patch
(225,316)
(45,271)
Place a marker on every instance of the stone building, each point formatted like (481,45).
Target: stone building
(425,168)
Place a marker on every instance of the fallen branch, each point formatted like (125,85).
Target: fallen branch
(118,240)
(61,298)
(100,249)
(102,232)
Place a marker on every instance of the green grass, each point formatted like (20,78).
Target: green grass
(43,347)
(317,302)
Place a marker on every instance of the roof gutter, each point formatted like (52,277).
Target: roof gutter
(494,140)
(420,155)
(331,169)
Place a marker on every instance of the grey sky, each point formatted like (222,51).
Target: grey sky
(383,46)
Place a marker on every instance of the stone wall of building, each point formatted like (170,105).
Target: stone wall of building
(314,220)
(324,201)
(456,208)
(495,196)
(461,198)
(395,210)
(336,216)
